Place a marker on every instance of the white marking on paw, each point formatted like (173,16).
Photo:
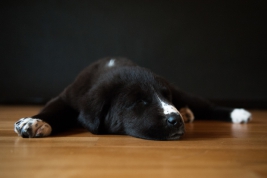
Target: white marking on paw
(111,63)
(240,116)
(32,127)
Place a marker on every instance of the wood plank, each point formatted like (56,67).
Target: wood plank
(209,149)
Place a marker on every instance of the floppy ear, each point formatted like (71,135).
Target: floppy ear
(94,107)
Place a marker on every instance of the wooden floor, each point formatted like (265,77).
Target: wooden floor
(209,149)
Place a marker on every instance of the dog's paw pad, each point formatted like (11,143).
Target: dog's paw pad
(187,114)
(32,127)
(240,116)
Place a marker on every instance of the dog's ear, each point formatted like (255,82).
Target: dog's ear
(93,111)
(94,107)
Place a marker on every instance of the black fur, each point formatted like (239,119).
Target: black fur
(123,99)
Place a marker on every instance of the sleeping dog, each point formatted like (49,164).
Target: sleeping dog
(115,96)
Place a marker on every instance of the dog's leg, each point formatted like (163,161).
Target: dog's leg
(203,109)
(56,116)
(187,114)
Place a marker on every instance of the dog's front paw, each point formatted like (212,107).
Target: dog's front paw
(187,114)
(240,116)
(32,127)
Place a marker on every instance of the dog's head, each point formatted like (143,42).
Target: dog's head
(132,101)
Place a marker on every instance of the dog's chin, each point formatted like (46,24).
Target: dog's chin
(172,136)
(175,136)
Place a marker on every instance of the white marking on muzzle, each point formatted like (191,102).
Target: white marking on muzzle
(168,108)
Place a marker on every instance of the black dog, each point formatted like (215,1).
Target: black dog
(115,96)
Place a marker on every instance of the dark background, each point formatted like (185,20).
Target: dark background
(216,49)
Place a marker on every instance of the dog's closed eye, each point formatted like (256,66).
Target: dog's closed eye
(142,102)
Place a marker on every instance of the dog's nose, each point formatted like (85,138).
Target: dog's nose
(174,119)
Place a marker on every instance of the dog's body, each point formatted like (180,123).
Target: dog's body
(115,96)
